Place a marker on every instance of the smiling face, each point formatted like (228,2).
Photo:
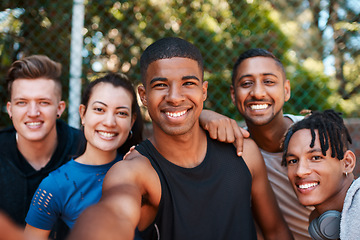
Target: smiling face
(33,108)
(108,117)
(260,90)
(174,94)
(317,179)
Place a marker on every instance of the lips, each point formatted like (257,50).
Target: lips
(307,185)
(259,106)
(33,123)
(176,114)
(107,134)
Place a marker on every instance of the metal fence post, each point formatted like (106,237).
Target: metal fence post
(76,62)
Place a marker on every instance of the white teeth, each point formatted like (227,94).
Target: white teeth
(33,123)
(107,134)
(307,185)
(176,114)
(259,106)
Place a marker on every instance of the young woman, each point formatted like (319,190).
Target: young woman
(111,123)
(320,169)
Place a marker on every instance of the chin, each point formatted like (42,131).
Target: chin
(307,202)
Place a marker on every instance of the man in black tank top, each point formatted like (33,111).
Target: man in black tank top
(180,184)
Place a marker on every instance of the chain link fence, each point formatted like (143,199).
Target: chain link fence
(318,42)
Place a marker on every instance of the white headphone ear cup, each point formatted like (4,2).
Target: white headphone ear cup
(329,224)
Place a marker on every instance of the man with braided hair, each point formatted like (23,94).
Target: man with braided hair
(320,168)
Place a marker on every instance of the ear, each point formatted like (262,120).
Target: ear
(232,92)
(349,161)
(142,95)
(61,108)
(82,109)
(287,90)
(204,89)
(8,108)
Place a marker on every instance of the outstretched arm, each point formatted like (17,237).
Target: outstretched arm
(36,233)
(114,217)
(223,129)
(264,205)
(9,230)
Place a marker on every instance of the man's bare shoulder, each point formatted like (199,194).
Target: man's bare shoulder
(250,146)
(252,156)
(134,165)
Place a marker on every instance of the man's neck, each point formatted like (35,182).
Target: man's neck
(187,150)
(38,153)
(269,137)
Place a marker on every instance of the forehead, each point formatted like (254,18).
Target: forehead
(173,67)
(258,65)
(109,94)
(303,137)
(40,88)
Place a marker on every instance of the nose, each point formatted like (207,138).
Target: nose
(258,90)
(33,110)
(175,95)
(110,120)
(303,168)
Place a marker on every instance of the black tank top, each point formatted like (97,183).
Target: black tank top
(209,201)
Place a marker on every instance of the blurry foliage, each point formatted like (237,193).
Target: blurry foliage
(117,32)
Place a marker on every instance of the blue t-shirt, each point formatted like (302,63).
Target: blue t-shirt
(66,192)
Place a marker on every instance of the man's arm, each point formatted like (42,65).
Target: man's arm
(36,233)
(118,212)
(223,129)
(9,230)
(264,205)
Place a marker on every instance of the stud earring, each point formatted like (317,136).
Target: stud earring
(57,115)
(346,174)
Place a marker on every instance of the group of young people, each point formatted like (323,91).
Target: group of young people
(186,181)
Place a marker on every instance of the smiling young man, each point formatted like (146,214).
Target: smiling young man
(259,90)
(320,169)
(37,143)
(178,187)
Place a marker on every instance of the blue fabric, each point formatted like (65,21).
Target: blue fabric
(66,192)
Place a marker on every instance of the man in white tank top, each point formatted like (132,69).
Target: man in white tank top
(259,90)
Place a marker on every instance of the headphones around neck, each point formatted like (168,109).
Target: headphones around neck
(326,226)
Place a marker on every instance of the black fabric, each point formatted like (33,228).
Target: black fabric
(18,180)
(210,201)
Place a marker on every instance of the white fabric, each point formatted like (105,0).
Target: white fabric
(296,215)
(350,220)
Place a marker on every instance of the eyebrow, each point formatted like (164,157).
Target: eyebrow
(165,79)
(25,98)
(157,79)
(102,103)
(263,74)
(190,77)
(313,150)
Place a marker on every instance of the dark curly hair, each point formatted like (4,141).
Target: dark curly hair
(332,132)
(169,47)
